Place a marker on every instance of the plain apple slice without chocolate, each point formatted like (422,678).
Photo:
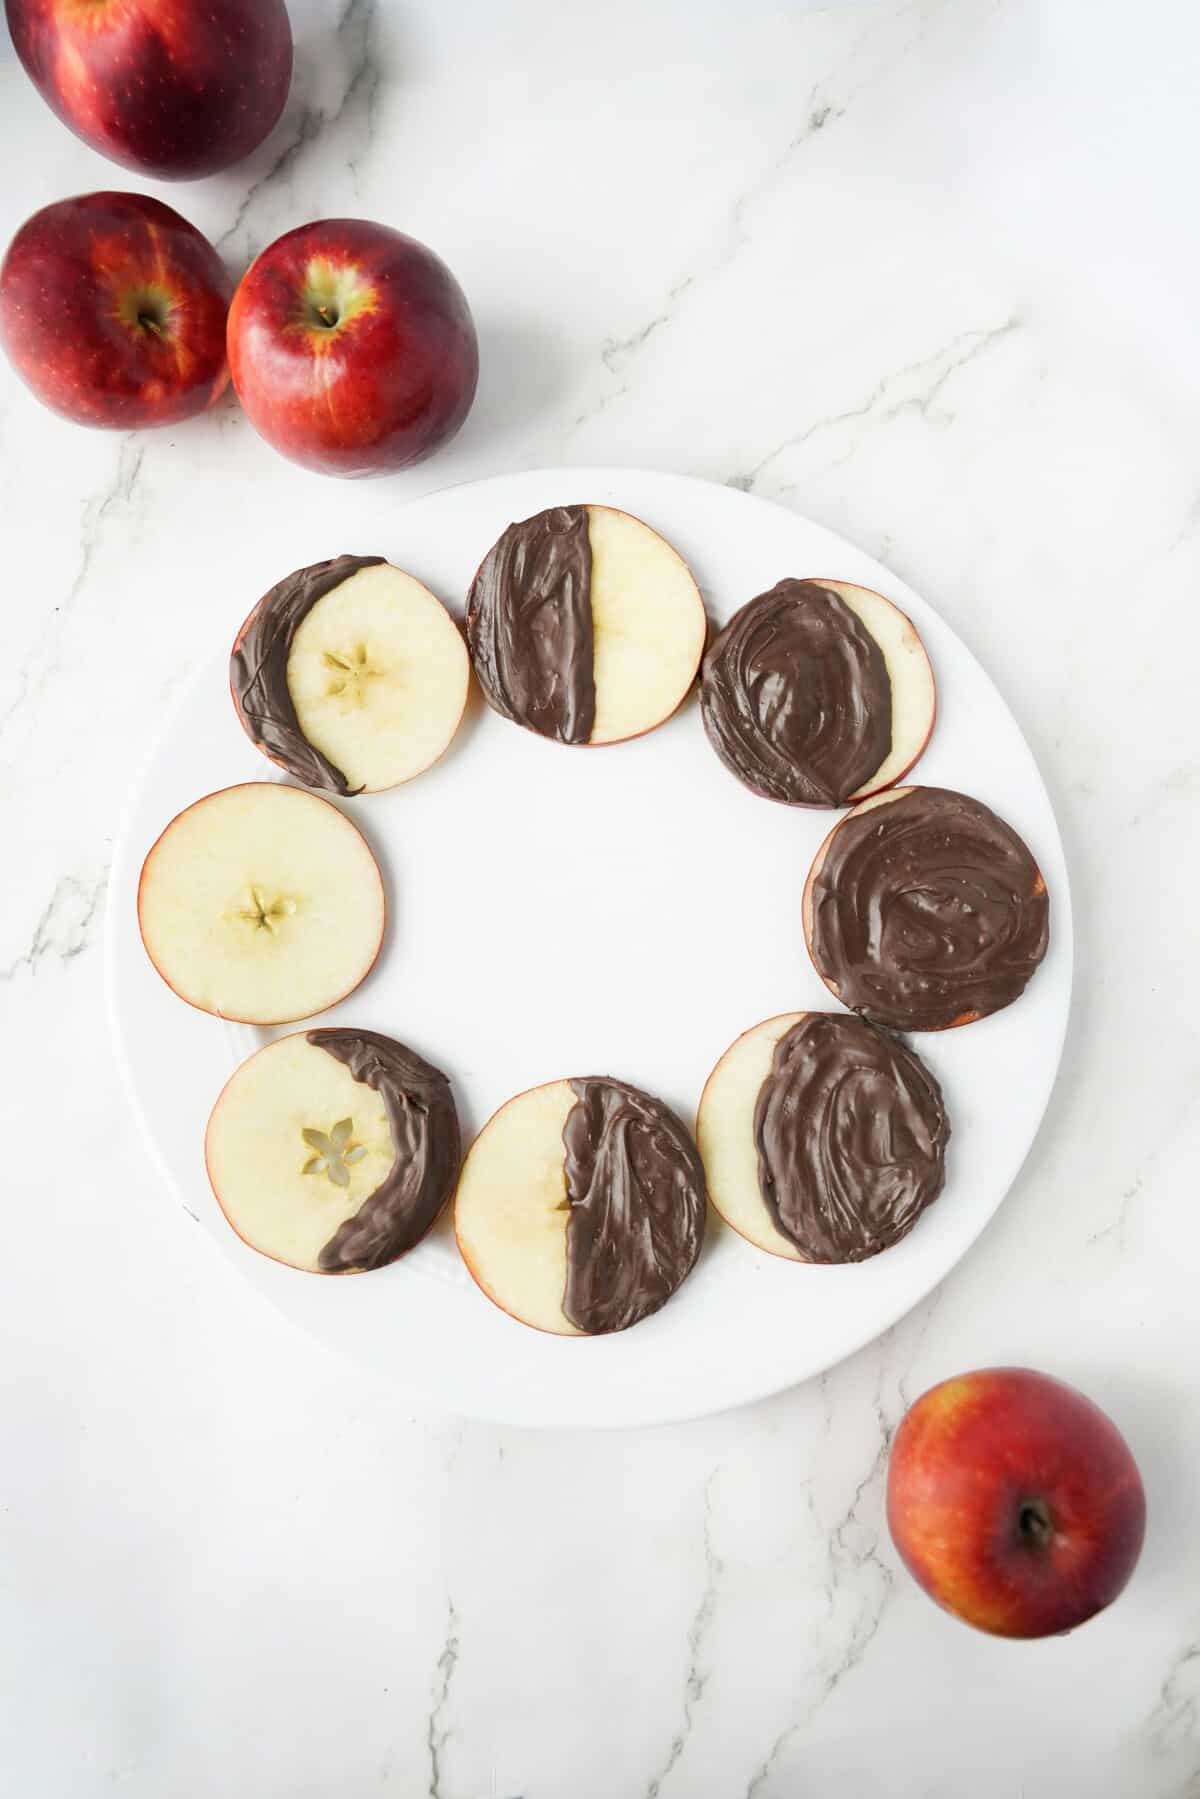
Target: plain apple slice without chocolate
(823,1139)
(350,675)
(817,693)
(262,904)
(584,625)
(581,1206)
(333,1150)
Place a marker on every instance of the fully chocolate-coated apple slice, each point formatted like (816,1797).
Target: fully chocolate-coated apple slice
(585,625)
(817,693)
(350,675)
(924,910)
(261,903)
(333,1150)
(581,1206)
(823,1139)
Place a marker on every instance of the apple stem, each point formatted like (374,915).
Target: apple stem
(327,316)
(1035,1523)
(149,323)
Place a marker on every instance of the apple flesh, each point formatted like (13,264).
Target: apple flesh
(910,675)
(172,90)
(261,904)
(725,1135)
(112,310)
(352,348)
(510,1210)
(294,1147)
(1015,1502)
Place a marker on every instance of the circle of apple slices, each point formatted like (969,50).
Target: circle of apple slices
(261,904)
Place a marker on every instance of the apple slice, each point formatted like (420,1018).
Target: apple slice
(261,904)
(823,1139)
(333,1150)
(923,910)
(350,675)
(817,693)
(581,1206)
(585,625)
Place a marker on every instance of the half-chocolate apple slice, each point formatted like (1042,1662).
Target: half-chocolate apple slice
(817,693)
(333,1150)
(581,1206)
(350,675)
(584,625)
(261,903)
(823,1139)
(924,910)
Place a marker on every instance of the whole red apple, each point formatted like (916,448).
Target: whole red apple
(112,309)
(173,88)
(1015,1502)
(352,348)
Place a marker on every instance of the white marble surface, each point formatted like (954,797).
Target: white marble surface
(928,272)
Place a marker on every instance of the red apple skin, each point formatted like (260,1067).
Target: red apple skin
(171,88)
(1015,1502)
(352,348)
(112,310)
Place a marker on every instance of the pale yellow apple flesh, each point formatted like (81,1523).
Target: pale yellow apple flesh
(648,626)
(725,1135)
(261,903)
(510,1211)
(295,1146)
(378,675)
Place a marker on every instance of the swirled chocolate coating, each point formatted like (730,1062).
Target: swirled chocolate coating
(851,1134)
(428,1148)
(529,625)
(636,1203)
(927,911)
(258,670)
(796,698)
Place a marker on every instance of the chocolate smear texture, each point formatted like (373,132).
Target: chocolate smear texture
(529,625)
(851,1134)
(425,1137)
(636,1205)
(796,697)
(927,911)
(259,663)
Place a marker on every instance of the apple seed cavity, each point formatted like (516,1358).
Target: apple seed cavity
(335,1153)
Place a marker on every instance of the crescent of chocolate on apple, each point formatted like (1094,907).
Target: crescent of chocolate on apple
(581,1206)
(584,625)
(333,1150)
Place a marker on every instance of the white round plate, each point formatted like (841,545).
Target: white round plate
(624,911)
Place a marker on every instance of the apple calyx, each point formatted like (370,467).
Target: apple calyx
(335,1152)
(1035,1526)
(266,914)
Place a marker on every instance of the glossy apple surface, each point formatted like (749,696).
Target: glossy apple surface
(112,309)
(352,348)
(1015,1502)
(171,88)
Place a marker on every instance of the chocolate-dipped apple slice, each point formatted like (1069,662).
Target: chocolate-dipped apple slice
(333,1150)
(823,1139)
(581,1206)
(350,675)
(584,625)
(924,910)
(261,903)
(817,693)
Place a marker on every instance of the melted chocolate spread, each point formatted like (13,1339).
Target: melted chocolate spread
(796,697)
(425,1137)
(258,670)
(928,911)
(851,1134)
(529,625)
(636,1205)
